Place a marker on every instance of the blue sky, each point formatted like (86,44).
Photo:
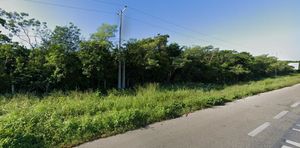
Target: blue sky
(257,26)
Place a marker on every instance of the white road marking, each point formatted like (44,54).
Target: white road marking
(293,143)
(259,129)
(285,146)
(294,129)
(295,104)
(280,115)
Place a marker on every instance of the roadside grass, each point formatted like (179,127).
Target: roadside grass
(66,119)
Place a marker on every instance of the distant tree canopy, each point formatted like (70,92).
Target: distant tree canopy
(60,60)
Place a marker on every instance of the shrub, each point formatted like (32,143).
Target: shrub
(64,119)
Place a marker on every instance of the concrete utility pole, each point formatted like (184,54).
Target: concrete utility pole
(276,65)
(121,71)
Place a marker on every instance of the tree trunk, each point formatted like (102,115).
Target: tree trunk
(12,88)
(104,84)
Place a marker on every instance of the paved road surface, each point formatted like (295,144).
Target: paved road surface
(267,120)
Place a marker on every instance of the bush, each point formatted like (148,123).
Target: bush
(64,119)
(174,109)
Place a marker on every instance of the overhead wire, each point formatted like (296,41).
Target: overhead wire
(164,28)
(132,18)
(70,7)
(172,23)
(142,21)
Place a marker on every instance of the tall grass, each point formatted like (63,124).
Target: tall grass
(65,119)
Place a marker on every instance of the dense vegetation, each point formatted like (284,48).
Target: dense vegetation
(62,60)
(64,119)
(176,80)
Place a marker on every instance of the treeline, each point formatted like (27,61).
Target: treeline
(62,60)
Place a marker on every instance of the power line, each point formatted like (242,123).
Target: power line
(195,38)
(94,10)
(108,3)
(107,12)
(70,7)
(157,26)
(179,26)
(171,23)
(153,25)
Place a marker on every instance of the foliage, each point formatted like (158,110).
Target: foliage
(62,60)
(104,33)
(28,30)
(97,63)
(63,119)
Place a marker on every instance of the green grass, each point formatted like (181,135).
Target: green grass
(66,119)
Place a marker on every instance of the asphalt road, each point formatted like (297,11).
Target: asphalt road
(267,120)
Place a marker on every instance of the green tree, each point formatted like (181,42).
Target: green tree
(38,72)
(13,59)
(61,57)
(196,64)
(3,38)
(104,33)
(67,37)
(61,60)
(28,30)
(97,63)
(148,60)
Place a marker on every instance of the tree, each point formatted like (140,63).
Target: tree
(196,64)
(175,61)
(37,71)
(96,57)
(97,63)
(67,37)
(13,59)
(3,38)
(104,33)
(62,60)
(61,57)
(147,58)
(28,30)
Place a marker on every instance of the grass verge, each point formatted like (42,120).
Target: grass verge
(66,119)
